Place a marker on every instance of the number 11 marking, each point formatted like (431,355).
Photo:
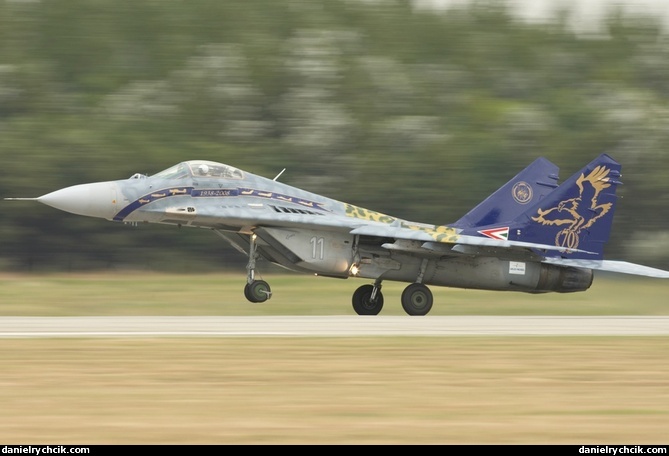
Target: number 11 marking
(317,248)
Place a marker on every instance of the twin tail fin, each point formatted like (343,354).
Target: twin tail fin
(576,215)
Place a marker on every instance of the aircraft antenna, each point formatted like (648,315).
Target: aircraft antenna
(277,176)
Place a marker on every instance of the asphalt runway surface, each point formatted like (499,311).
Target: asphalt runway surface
(331,326)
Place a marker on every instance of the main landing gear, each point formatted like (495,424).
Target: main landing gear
(255,290)
(416,299)
(368,299)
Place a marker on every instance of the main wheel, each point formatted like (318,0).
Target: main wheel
(257,291)
(362,303)
(417,299)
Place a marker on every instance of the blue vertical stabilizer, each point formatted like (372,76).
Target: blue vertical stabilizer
(576,215)
(529,186)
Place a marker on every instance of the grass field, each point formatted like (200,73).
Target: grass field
(221,294)
(383,390)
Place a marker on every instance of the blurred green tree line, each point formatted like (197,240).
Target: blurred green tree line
(415,113)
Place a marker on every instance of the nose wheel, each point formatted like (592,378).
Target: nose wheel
(255,290)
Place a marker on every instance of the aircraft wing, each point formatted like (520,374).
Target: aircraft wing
(448,236)
(622,267)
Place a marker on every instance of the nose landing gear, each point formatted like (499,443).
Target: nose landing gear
(255,290)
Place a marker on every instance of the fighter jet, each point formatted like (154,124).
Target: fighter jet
(531,235)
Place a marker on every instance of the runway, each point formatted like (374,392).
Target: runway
(331,326)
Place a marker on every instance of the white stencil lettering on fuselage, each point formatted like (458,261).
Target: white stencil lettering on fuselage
(516,267)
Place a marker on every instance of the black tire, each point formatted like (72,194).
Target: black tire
(362,303)
(257,291)
(246,293)
(417,299)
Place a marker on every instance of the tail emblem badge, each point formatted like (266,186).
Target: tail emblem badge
(522,192)
(578,213)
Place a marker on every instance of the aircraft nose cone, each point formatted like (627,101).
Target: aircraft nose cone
(93,200)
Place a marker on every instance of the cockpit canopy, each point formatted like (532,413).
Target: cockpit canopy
(200,168)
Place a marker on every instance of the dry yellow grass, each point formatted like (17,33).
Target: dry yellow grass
(595,390)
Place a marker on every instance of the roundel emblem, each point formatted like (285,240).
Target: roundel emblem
(522,192)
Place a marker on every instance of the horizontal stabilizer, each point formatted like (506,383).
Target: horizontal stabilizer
(622,267)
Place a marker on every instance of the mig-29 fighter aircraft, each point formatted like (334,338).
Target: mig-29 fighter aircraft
(532,235)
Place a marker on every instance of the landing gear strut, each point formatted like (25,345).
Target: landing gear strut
(368,299)
(255,290)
